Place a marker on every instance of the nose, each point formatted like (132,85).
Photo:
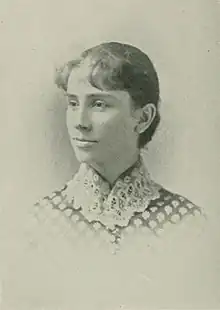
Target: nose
(83,121)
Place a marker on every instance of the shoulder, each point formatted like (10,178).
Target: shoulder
(58,200)
(171,208)
(50,218)
(54,198)
(173,203)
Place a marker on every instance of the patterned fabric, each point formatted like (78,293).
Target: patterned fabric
(87,207)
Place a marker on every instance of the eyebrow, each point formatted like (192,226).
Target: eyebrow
(70,95)
(92,95)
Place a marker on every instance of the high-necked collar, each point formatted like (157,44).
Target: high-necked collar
(111,205)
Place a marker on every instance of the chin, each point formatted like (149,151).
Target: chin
(84,157)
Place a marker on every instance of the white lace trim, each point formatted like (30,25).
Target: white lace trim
(97,202)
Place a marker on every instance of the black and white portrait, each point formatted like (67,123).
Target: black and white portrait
(110,155)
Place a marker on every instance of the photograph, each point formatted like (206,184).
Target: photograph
(110,155)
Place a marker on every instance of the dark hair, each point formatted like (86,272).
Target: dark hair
(117,66)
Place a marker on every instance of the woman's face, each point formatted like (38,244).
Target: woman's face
(101,124)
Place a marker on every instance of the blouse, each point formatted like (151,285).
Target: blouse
(87,208)
(95,246)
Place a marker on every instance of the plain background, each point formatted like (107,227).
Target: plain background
(182,39)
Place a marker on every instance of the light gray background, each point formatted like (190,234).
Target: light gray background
(182,39)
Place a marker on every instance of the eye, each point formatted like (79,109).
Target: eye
(99,104)
(73,102)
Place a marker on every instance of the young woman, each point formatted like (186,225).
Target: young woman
(112,92)
(111,205)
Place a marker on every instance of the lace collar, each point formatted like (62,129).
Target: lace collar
(97,201)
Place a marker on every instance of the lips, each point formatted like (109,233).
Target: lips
(85,140)
(84,143)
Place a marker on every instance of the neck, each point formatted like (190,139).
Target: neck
(111,170)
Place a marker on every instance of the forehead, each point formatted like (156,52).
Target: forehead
(78,79)
(78,83)
(81,72)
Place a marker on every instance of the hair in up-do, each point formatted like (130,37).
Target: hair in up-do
(117,66)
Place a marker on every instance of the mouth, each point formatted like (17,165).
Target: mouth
(84,140)
(84,143)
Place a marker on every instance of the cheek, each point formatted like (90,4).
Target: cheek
(106,123)
(117,126)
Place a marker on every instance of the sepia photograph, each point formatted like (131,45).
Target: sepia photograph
(110,155)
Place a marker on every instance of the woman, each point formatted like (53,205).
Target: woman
(112,92)
(111,203)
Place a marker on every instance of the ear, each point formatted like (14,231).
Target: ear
(147,116)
